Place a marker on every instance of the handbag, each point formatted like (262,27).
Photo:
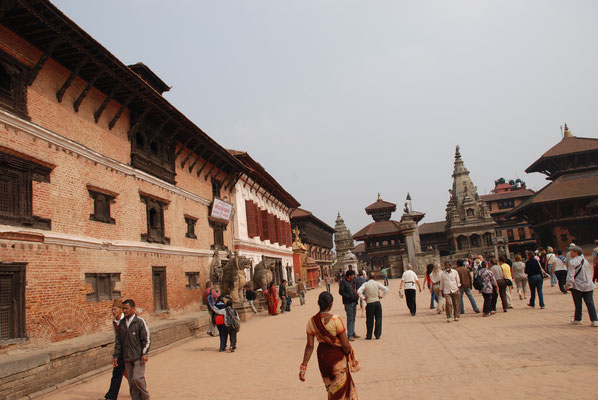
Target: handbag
(508,282)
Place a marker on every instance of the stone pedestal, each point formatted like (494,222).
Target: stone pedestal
(244,310)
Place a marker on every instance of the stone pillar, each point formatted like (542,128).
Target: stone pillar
(410,242)
(298,255)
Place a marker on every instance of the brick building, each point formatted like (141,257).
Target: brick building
(106,189)
(263,219)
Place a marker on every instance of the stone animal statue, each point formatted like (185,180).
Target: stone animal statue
(233,278)
(263,274)
(216,270)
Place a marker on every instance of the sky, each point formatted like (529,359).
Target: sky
(341,100)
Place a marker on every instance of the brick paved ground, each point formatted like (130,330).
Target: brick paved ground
(523,354)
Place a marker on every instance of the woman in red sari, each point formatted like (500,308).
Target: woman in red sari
(272,299)
(335,355)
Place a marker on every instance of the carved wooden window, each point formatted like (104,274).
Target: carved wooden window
(16,191)
(253,214)
(193,280)
(102,285)
(272,229)
(101,206)
(13,85)
(218,228)
(190,222)
(12,300)
(265,226)
(140,140)
(521,232)
(152,154)
(506,204)
(216,187)
(155,220)
(159,289)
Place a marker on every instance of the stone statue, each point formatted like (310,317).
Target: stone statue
(216,270)
(263,274)
(233,277)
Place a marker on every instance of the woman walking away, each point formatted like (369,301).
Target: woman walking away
(428,284)
(272,299)
(435,278)
(221,322)
(490,285)
(549,267)
(232,323)
(336,358)
(535,274)
(579,280)
(520,277)
(560,270)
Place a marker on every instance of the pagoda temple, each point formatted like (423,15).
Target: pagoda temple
(566,210)
(469,225)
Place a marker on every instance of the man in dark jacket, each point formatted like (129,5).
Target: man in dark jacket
(132,345)
(348,291)
(119,370)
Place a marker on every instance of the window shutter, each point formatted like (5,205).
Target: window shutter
(265,225)
(250,213)
(272,228)
(279,239)
(287,228)
(258,220)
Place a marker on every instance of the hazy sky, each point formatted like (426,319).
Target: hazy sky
(340,100)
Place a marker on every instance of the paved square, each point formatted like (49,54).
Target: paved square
(522,354)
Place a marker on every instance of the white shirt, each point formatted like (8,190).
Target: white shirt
(370,291)
(409,277)
(129,320)
(449,282)
(583,282)
(559,265)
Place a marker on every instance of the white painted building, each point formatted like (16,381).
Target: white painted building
(262,226)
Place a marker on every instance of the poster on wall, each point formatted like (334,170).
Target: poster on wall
(221,209)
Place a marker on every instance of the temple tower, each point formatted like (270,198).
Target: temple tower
(469,226)
(343,240)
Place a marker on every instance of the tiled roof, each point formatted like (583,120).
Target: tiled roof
(300,212)
(507,195)
(360,248)
(567,146)
(380,205)
(378,228)
(432,227)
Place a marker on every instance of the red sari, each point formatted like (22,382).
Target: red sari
(272,299)
(335,365)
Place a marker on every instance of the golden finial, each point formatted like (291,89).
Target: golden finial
(567,132)
(379,198)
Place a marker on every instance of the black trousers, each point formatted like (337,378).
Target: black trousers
(410,298)
(588,298)
(487,302)
(232,334)
(561,276)
(502,290)
(373,311)
(117,377)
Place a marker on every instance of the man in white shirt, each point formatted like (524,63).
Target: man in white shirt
(449,285)
(579,281)
(409,281)
(372,292)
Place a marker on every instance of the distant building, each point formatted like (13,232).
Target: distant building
(504,197)
(343,240)
(469,226)
(433,234)
(316,236)
(566,210)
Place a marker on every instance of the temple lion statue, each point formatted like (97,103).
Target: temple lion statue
(263,274)
(233,278)
(216,270)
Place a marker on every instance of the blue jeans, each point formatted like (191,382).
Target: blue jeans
(385,280)
(351,310)
(432,300)
(223,332)
(535,283)
(471,300)
(553,280)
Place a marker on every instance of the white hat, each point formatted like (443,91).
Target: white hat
(572,245)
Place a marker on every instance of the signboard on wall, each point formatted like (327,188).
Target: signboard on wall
(221,209)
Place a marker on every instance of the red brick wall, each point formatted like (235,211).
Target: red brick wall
(56,305)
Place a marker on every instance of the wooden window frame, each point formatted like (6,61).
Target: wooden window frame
(163,300)
(154,234)
(15,100)
(216,188)
(218,229)
(18,310)
(190,222)
(98,196)
(102,285)
(19,173)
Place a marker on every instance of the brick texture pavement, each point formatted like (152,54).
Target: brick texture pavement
(522,354)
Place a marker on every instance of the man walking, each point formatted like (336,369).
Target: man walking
(384,272)
(301,291)
(282,292)
(449,286)
(349,294)
(579,281)
(372,292)
(132,345)
(465,278)
(409,280)
(119,370)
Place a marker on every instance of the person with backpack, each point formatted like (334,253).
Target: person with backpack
(232,322)
(220,321)
(579,281)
